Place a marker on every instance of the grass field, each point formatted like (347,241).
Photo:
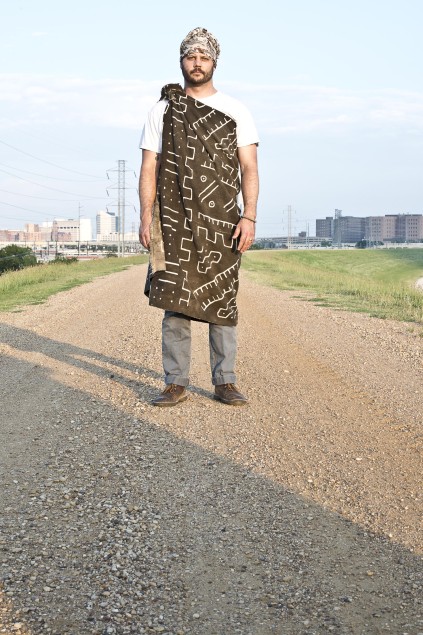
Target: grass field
(34,285)
(379,282)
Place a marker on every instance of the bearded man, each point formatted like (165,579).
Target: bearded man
(199,155)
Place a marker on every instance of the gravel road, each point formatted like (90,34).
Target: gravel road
(297,514)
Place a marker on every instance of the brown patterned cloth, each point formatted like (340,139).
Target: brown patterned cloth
(193,259)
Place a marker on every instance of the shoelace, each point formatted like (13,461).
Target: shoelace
(170,388)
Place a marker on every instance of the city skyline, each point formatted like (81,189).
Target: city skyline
(339,228)
(336,92)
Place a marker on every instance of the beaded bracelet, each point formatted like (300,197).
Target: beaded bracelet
(253,220)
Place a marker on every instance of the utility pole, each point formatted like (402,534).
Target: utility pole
(121,204)
(289,227)
(338,228)
(132,237)
(79,226)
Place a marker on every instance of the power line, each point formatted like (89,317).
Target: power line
(54,178)
(55,189)
(95,176)
(43,198)
(16,256)
(55,141)
(13,218)
(289,227)
(27,210)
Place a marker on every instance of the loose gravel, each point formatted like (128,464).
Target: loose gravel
(297,514)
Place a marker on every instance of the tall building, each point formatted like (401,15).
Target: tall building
(337,233)
(107,226)
(395,227)
(72,230)
(349,229)
(324,227)
(375,228)
(9,235)
(33,232)
(390,227)
(410,227)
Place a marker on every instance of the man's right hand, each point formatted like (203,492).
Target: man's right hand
(147,189)
(145,234)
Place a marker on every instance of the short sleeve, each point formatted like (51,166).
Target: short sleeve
(151,136)
(246,130)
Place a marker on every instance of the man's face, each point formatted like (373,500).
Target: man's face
(197,69)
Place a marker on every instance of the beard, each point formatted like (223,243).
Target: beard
(197,81)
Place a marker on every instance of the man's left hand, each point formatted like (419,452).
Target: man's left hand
(245,233)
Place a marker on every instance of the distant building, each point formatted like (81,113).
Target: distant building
(341,229)
(351,228)
(324,227)
(9,235)
(35,233)
(391,227)
(410,227)
(282,242)
(395,227)
(375,228)
(107,226)
(72,230)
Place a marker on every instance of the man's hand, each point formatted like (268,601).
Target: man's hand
(147,191)
(246,229)
(145,234)
(245,232)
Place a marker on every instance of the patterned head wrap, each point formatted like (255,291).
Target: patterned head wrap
(200,40)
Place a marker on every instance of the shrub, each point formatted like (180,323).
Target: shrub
(13,258)
(63,260)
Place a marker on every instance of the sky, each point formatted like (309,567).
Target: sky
(335,88)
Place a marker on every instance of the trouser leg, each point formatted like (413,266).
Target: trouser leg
(223,346)
(176,348)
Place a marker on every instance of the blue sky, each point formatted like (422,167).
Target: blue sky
(336,89)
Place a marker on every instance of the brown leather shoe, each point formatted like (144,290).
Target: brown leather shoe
(171,396)
(229,394)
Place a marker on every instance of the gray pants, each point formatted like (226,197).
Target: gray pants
(176,350)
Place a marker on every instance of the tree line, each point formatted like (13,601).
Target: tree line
(13,258)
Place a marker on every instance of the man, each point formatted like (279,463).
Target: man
(199,152)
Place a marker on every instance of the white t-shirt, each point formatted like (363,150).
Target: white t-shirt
(246,132)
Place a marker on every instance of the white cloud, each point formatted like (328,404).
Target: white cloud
(291,109)
(41,100)
(279,109)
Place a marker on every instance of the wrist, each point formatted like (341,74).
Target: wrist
(248,217)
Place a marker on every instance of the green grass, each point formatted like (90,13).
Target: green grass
(34,285)
(378,282)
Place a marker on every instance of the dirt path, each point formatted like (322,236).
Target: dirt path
(297,514)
